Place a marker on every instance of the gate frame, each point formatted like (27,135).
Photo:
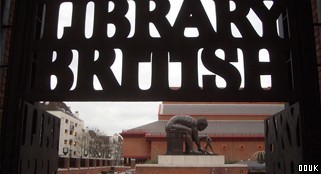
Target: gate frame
(304,72)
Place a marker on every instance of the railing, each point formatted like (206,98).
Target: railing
(87,165)
(67,163)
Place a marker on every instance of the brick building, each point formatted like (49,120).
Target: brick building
(237,129)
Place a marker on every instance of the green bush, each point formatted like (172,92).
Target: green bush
(154,161)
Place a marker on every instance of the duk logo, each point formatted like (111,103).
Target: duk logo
(308,168)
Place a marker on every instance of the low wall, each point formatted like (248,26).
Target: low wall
(83,170)
(152,169)
(82,162)
(87,166)
(92,170)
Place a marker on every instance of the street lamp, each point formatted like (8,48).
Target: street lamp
(86,153)
(65,150)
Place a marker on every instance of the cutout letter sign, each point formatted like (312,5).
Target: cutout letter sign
(162,50)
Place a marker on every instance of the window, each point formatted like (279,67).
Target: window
(65,142)
(71,126)
(66,121)
(66,131)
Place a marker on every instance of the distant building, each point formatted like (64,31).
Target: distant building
(116,143)
(237,129)
(71,129)
(76,141)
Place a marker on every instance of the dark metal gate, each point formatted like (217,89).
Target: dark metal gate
(283,148)
(292,135)
(40,141)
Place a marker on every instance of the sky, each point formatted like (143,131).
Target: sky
(113,117)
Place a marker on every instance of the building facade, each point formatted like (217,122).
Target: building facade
(236,129)
(116,151)
(72,130)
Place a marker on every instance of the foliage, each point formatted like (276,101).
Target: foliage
(230,161)
(93,143)
(259,156)
(153,161)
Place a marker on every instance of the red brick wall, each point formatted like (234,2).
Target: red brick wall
(236,149)
(232,150)
(136,148)
(158,148)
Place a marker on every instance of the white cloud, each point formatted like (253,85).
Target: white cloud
(113,117)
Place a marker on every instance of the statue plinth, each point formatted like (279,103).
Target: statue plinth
(175,140)
(191,164)
(191,160)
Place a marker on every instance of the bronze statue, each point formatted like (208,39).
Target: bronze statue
(186,128)
(208,141)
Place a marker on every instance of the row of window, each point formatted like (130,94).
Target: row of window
(71,142)
(67,121)
(71,132)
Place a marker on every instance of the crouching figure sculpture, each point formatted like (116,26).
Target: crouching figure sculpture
(184,128)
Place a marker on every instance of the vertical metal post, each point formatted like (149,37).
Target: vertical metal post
(18,70)
(306,81)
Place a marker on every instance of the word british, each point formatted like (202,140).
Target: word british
(171,45)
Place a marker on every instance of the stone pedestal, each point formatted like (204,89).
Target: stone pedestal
(191,164)
(191,160)
(175,140)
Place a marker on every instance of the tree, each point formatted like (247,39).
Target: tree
(83,142)
(98,145)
